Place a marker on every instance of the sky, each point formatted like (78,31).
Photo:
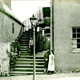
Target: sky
(24,9)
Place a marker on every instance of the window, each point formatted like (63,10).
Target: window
(12,27)
(47,31)
(76,38)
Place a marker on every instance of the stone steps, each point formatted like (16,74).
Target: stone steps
(24,63)
(19,73)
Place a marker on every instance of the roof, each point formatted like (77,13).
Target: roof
(9,13)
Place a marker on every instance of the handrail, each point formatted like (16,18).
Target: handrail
(16,46)
(21,32)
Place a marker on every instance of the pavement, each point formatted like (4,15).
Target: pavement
(57,76)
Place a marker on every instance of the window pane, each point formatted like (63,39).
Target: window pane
(78,35)
(78,41)
(78,29)
(47,31)
(74,35)
(78,45)
(12,27)
(74,30)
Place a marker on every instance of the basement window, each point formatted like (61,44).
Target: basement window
(76,38)
(12,27)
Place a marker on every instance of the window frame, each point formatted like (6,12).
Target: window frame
(13,28)
(77,49)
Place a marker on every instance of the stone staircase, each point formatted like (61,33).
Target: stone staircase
(24,63)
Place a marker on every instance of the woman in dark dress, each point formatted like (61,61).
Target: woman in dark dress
(46,60)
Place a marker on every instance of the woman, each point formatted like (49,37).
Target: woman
(46,60)
(51,62)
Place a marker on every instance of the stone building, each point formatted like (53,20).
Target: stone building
(10,28)
(67,35)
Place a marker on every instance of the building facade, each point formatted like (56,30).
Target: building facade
(67,35)
(10,27)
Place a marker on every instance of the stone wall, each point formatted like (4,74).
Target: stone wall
(6,28)
(4,58)
(66,15)
(6,37)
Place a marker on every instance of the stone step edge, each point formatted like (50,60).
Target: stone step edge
(23,72)
(28,65)
(29,68)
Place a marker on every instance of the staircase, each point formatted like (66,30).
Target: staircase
(24,63)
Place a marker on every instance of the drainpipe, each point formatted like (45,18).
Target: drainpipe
(52,25)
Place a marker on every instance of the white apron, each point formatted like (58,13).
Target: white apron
(51,63)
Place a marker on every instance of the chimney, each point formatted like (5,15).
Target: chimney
(7,3)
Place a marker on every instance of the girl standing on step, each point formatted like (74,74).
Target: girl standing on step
(31,46)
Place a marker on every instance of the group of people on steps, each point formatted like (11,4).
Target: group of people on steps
(48,59)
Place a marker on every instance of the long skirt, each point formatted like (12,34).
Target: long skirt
(51,63)
(45,64)
(31,49)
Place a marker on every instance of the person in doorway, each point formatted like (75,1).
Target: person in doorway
(46,60)
(31,46)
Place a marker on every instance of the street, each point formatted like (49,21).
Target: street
(58,76)
(68,78)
